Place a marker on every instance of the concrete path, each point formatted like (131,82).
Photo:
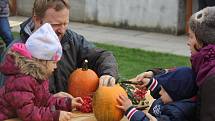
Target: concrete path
(127,38)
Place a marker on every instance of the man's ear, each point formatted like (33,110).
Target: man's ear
(37,22)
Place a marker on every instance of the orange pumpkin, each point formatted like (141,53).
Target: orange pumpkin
(105,101)
(83,82)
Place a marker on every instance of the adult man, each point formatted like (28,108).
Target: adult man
(75,47)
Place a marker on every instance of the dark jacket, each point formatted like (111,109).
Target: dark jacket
(183,110)
(4,8)
(27,97)
(203,64)
(179,83)
(206,3)
(75,49)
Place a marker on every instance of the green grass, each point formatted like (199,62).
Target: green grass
(134,61)
(15,35)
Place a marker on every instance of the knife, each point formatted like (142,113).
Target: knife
(131,82)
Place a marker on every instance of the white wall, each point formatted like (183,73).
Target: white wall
(139,13)
(153,15)
(24,7)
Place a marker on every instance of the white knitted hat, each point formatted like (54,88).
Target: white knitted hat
(44,44)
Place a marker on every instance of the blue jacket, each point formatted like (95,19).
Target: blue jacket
(178,82)
(183,110)
(180,85)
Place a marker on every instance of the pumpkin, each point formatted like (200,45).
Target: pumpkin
(105,101)
(83,82)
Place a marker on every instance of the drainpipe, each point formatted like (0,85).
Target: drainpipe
(189,9)
(12,5)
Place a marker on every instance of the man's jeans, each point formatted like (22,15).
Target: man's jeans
(2,49)
(5,31)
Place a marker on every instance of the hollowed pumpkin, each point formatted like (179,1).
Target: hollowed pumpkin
(105,101)
(83,82)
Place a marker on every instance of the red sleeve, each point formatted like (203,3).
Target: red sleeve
(60,103)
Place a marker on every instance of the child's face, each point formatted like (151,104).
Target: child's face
(51,65)
(165,96)
(192,42)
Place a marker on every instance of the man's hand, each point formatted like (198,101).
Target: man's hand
(106,80)
(63,94)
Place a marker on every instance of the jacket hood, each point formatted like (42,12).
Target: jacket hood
(8,67)
(15,64)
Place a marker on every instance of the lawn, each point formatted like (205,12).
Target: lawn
(134,61)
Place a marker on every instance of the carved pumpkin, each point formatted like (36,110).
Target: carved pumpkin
(83,82)
(105,101)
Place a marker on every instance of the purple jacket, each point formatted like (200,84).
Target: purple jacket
(28,98)
(203,64)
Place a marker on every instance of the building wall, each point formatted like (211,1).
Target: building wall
(152,15)
(143,14)
(24,7)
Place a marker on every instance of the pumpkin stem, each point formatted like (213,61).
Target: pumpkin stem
(85,65)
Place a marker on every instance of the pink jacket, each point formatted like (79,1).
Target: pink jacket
(28,98)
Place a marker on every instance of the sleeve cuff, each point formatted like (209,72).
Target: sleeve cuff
(152,84)
(130,112)
(56,115)
(69,104)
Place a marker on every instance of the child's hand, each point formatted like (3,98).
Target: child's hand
(148,74)
(77,102)
(65,116)
(145,82)
(151,118)
(125,103)
(144,78)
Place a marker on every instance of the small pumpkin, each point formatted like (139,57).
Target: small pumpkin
(83,82)
(105,101)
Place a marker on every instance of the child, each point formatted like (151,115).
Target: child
(201,40)
(25,94)
(172,92)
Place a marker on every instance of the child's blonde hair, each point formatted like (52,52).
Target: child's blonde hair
(34,67)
